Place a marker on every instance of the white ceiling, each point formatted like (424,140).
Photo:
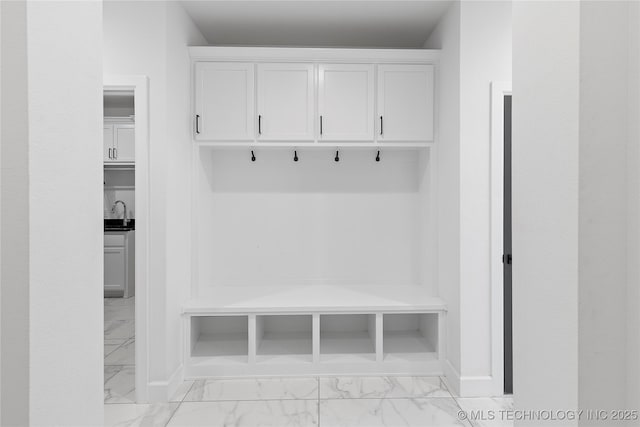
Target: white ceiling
(382,24)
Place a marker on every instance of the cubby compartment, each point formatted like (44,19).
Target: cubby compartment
(412,337)
(286,339)
(347,337)
(222,338)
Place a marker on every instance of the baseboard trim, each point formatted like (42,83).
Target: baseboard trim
(469,386)
(451,378)
(163,391)
(476,386)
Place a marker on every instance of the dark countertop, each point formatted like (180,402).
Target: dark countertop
(117,225)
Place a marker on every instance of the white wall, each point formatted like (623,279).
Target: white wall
(633,191)
(576,203)
(134,44)
(150,38)
(181,32)
(446,36)
(279,222)
(485,56)
(604,92)
(475,38)
(58,268)
(14,270)
(545,205)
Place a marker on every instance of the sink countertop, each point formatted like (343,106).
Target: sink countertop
(117,225)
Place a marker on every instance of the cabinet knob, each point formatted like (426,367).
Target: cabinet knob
(197,123)
(381,126)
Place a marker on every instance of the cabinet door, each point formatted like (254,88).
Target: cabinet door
(114,270)
(124,142)
(405,103)
(224,101)
(285,102)
(345,100)
(107,141)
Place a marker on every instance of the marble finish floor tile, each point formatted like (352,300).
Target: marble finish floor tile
(487,411)
(182,391)
(122,355)
(120,301)
(276,413)
(437,412)
(134,415)
(119,384)
(110,348)
(379,387)
(119,329)
(253,389)
(116,312)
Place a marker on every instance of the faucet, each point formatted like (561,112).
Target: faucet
(124,206)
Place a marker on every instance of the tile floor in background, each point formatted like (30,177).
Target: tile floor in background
(119,346)
(281,402)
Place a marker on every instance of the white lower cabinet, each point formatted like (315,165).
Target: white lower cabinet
(119,264)
(115,277)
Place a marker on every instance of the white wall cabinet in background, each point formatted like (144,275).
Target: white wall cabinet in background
(107,141)
(285,102)
(405,102)
(119,141)
(345,102)
(224,101)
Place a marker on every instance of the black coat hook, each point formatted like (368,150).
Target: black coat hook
(295,156)
(337,159)
(378,156)
(253,156)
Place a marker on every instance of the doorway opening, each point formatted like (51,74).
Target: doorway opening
(126,189)
(507,251)
(501,238)
(119,245)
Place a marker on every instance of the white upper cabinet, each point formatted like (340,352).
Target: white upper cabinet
(224,101)
(119,141)
(125,142)
(345,102)
(107,141)
(405,103)
(285,102)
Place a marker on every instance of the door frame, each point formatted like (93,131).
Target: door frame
(498,91)
(140,87)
